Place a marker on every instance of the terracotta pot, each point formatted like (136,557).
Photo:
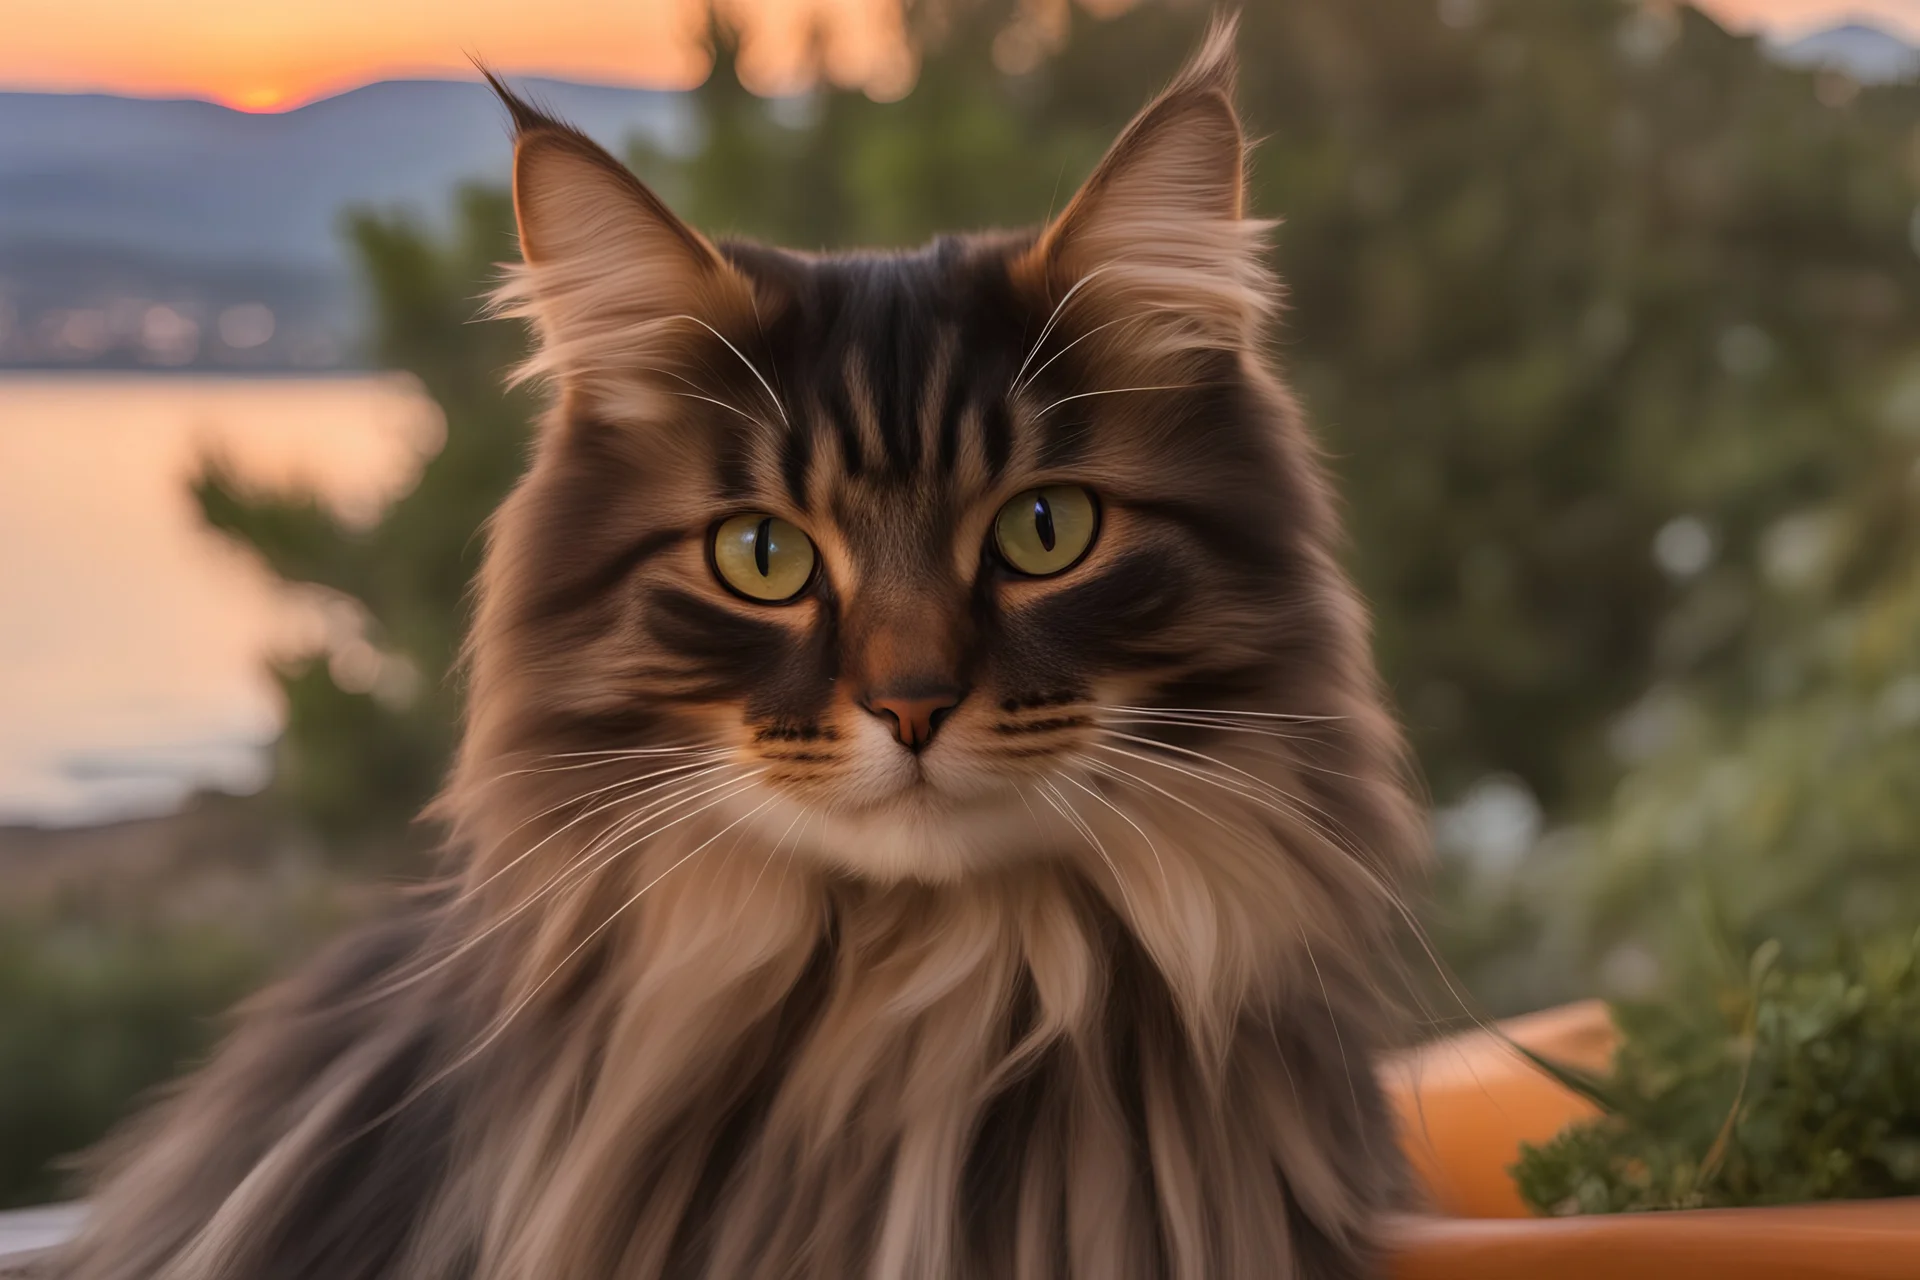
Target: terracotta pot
(1466,1103)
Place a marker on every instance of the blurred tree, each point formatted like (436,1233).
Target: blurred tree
(362,750)
(93,1019)
(1585,298)
(1778,806)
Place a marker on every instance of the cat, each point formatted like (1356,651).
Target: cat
(926,807)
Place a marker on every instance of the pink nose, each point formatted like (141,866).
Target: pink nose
(914,720)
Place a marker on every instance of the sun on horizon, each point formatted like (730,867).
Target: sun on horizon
(272,58)
(269,58)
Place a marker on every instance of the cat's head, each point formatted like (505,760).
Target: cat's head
(907,542)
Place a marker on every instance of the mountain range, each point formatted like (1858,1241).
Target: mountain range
(111,207)
(140,233)
(1866,53)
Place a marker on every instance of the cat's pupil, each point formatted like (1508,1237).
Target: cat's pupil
(1043,521)
(763,545)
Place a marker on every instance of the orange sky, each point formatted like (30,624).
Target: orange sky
(274,54)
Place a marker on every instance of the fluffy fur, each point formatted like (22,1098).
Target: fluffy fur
(726,982)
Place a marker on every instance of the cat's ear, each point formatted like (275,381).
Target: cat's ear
(621,293)
(1158,239)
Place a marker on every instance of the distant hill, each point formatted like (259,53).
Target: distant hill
(1866,53)
(115,205)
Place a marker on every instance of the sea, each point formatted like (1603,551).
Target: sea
(135,642)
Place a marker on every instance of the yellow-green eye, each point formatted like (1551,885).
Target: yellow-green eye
(763,558)
(1046,531)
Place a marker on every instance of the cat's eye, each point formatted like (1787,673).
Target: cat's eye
(1045,531)
(763,558)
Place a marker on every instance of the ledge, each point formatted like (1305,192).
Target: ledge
(25,1234)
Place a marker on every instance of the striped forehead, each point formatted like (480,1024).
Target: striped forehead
(895,370)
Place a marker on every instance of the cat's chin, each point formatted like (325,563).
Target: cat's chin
(919,833)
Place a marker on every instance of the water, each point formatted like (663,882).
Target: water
(134,642)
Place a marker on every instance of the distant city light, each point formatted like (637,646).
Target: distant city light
(167,337)
(246,325)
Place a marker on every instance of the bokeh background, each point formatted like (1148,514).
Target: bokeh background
(1608,312)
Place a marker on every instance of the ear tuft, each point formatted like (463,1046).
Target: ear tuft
(526,117)
(622,294)
(1158,235)
(1214,67)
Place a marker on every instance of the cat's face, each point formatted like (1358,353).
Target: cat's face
(910,538)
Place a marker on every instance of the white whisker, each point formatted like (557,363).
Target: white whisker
(551,885)
(688,395)
(1339,839)
(602,760)
(1216,726)
(1058,799)
(617,912)
(755,886)
(1052,320)
(700,769)
(503,1023)
(1166,885)
(1292,759)
(1338,1040)
(1262,793)
(765,385)
(1114,391)
(602,852)
(1219,711)
(1137,779)
(1042,367)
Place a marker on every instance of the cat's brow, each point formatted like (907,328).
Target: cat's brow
(904,368)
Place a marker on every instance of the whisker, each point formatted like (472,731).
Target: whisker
(1217,726)
(1330,829)
(1338,1040)
(604,759)
(771,854)
(602,927)
(1054,319)
(546,889)
(602,852)
(698,393)
(1058,799)
(1115,391)
(1263,794)
(1137,779)
(1340,839)
(1221,711)
(765,385)
(1165,884)
(1198,755)
(1330,825)
(1292,759)
(700,769)
(1042,368)
(688,395)
(501,1025)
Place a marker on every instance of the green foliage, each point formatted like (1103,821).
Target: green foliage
(90,1019)
(1564,280)
(1558,278)
(1780,806)
(1802,1086)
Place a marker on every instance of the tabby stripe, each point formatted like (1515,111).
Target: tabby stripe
(571,596)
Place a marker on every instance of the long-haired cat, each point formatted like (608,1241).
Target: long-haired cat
(926,807)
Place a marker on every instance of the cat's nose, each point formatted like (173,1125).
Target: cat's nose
(915,715)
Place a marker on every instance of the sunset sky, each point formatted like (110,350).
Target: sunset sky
(269,55)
